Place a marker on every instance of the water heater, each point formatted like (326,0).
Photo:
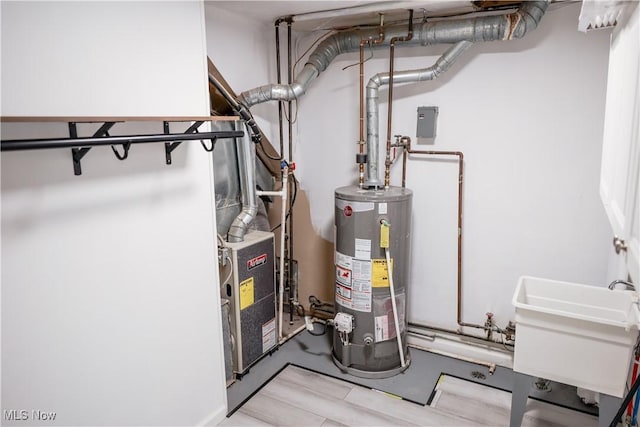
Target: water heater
(372,237)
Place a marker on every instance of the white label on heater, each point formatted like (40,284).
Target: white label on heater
(343,260)
(382,209)
(361,270)
(343,276)
(269,335)
(363,249)
(381,328)
(343,296)
(361,300)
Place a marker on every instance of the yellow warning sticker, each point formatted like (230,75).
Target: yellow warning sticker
(384,236)
(379,273)
(246,293)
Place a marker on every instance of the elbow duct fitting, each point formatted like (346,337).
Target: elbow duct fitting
(246,162)
(441,65)
(485,28)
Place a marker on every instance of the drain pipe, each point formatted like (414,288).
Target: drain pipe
(485,28)
(441,65)
(246,162)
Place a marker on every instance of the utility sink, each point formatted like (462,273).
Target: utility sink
(575,334)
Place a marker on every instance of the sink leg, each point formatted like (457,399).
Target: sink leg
(607,407)
(519,395)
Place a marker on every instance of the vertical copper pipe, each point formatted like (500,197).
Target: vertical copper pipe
(361,140)
(409,36)
(460,155)
(292,289)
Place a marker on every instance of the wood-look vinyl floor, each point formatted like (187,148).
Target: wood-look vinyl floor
(490,406)
(298,397)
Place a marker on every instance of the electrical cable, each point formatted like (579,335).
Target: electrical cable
(295,118)
(358,63)
(311,47)
(293,201)
(267,154)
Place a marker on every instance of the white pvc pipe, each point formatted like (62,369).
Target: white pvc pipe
(394,307)
(283,194)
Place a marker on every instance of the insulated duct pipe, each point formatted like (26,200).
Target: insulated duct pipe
(246,162)
(486,28)
(442,65)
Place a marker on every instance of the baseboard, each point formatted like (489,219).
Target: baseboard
(214,418)
(456,345)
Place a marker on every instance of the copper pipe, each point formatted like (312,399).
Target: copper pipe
(361,139)
(361,142)
(409,36)
(406,143)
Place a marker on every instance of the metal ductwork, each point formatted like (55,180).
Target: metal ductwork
(246,162)
(487,28)
(441,65)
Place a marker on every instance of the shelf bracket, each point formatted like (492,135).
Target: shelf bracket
(170,146)
(78,153)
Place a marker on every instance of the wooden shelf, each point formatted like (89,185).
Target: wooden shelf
(101,119)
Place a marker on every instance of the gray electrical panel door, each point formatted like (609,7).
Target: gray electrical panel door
(427,119)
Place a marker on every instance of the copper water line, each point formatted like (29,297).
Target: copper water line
(405,142)
(363,42)
(392,43)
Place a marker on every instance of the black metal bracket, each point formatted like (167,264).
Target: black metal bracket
(170,146)
(80,146)
(78,153)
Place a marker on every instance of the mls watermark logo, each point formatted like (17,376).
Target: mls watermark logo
(25,415)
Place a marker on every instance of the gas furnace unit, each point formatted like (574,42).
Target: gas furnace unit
(251,292)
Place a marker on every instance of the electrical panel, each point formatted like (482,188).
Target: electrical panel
(427,119)
(252,299)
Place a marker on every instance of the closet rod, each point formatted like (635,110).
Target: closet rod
(35,144)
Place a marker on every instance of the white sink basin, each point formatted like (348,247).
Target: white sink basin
(575,334)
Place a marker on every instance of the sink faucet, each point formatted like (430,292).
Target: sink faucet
(629,285)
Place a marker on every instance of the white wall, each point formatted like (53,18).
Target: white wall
(243,50)
(528,115)
(110,308)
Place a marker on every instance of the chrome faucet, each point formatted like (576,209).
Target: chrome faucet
(629,285)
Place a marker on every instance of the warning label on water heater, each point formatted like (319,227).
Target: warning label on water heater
(353,283)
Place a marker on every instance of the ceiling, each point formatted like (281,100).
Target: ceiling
(314,15)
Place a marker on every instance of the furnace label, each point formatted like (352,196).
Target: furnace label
(269,335)
(246,293)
